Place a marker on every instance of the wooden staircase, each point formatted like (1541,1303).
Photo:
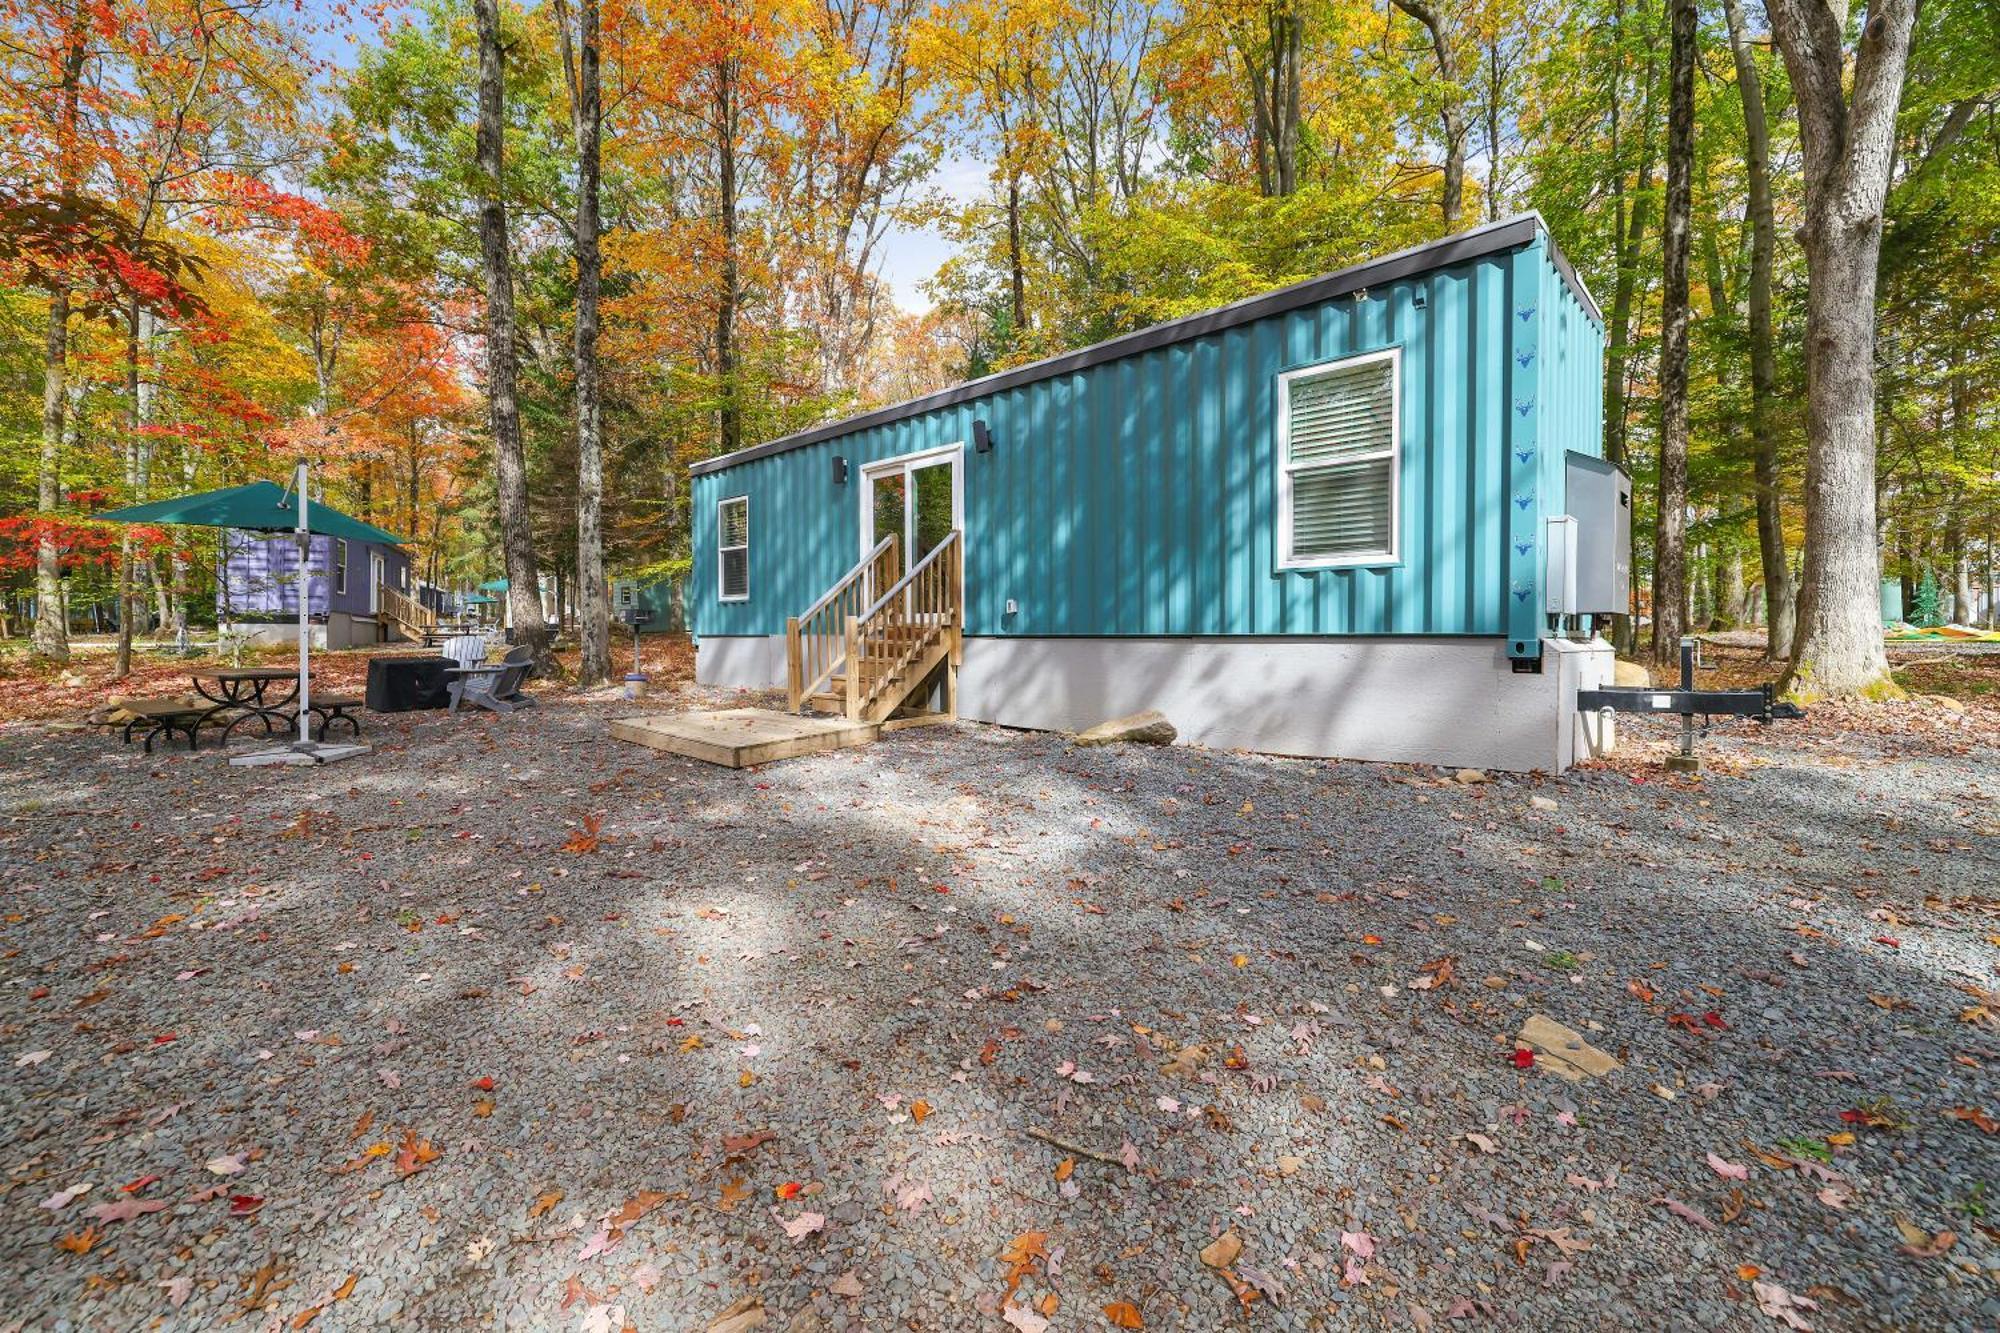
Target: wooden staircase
(408,614)
(878,641)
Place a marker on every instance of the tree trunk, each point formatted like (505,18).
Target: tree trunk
(1452,200)
(1017,282)
(51,639)
(51,636)
(729,420)
(1735,593)
(1780,599)
(1631,224)
(524,599)
(1271,61)
(593,605)
(1495,89)
(1992,587)
(1670,529)
(1961,575)
(128,602)
(1849,144)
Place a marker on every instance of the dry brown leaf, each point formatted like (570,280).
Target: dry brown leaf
(1123,1314)
(1065,1168)
(546,1200)
(919,1109)
(415,1155)
(80,1242)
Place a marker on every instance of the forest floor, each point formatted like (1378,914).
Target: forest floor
(510,1025)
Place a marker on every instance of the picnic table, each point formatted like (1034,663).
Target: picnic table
(247,689)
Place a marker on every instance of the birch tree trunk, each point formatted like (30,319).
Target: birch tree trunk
(51,638)
(1849,151)
(1780,598)
(586,110)
(1670,594)
(524,588)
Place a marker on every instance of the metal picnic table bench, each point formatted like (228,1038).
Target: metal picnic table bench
(242,691)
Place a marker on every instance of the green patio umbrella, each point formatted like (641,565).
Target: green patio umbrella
(264,506)
(261,506)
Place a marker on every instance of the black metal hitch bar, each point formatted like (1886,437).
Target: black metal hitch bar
(1760,704)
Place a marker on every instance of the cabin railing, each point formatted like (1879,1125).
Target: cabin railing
(406,611)
(816,641)
(904,625)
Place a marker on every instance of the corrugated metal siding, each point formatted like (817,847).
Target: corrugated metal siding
(1137,497)
(263,575)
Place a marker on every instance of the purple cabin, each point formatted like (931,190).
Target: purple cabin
(350,588)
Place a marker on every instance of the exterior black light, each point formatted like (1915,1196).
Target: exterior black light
(982,438)
(839,470)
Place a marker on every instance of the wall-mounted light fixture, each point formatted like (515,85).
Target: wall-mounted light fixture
(839,470)
(1421,299)
(982,438)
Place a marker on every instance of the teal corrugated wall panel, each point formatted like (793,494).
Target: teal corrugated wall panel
(1137,497)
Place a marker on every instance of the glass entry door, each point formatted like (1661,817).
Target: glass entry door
(917,498)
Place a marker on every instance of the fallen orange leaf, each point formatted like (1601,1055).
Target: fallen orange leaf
(1123,1314)
(81,1241)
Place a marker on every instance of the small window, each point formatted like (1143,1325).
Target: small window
(732,543)
(339,565)
(1338,455)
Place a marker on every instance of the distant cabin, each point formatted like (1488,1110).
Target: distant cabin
(357,592)
(1310,523)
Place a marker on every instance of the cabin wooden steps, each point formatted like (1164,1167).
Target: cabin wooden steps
(409,615)
(880,641)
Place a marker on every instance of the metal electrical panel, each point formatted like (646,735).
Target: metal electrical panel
(1600,500)
(1559,582)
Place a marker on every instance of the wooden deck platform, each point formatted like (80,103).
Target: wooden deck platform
(740,737)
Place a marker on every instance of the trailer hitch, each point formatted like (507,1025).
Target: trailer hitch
(1760,705)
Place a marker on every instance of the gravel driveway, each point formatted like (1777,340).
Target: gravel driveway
(512,1025)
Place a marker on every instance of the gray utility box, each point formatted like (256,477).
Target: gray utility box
(1600,500)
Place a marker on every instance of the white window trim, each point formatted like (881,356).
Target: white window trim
(340,566)
(720,594)
(1394,453)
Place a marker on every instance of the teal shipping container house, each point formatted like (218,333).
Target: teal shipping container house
(1313,523)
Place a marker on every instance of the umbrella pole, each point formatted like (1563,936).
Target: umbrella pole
(305,628)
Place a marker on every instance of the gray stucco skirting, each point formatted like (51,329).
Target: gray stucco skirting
(1447,701)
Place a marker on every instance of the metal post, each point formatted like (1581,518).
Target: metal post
(1686,761)
(305,630)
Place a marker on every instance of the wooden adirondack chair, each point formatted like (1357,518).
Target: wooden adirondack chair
(492,685)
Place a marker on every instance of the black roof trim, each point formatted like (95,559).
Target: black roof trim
(1477,243)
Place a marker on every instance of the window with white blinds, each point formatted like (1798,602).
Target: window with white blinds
(1338,450)
(732,544)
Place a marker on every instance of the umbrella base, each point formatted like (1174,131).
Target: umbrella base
(300,754)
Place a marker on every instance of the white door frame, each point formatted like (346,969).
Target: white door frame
(377,569)
(905,463)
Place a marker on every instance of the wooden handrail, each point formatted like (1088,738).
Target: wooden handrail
(406,610)
(893,639)
(861,567)
(902,584)
(816,642)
